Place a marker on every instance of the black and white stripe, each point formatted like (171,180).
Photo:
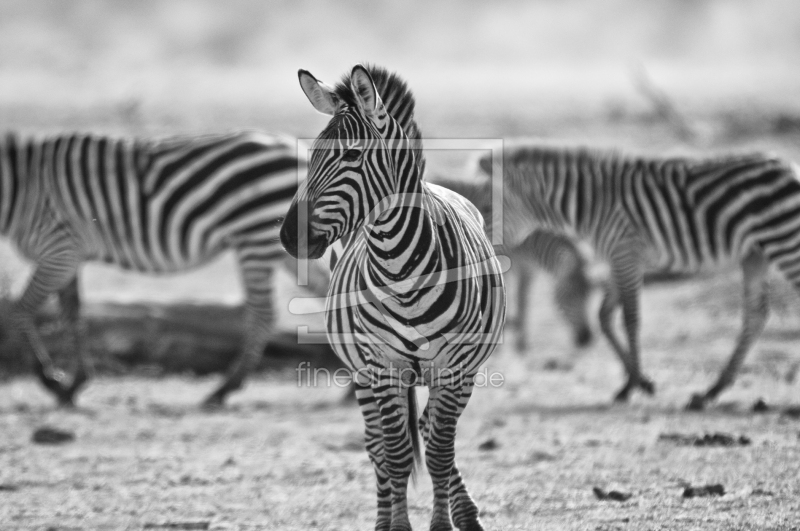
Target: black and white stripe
(668,214)
(153,206)
(416,298)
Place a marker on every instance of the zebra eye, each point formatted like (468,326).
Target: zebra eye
(351,155)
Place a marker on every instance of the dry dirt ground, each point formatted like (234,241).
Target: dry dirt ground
(288,456)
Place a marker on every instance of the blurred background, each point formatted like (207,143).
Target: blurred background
(544,68)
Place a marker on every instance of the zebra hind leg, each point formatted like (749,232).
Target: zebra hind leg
(258,327)
(756,311)
(606,315)
(628,276)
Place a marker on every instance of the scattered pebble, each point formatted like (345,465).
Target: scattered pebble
(50,435)
(760,406)
(708,439)
(613,495)
(488,445)
(705,490)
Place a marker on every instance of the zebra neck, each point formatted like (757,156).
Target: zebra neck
(402,243)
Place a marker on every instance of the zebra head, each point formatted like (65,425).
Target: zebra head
(361,161)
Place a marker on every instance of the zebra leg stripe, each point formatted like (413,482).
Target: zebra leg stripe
(373,439)
(392,402)
(463,510)
(628,273)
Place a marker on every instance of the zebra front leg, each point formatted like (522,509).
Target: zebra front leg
(756,311)
(400,450)
(55,270)
(445,406)
(373,439)
(70,303)
(462,506)
(258,327)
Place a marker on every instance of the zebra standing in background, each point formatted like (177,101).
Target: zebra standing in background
(672,214)
(151,206)
(417,297)
(551,251)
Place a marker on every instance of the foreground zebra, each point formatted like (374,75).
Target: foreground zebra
(417,297)
(152,206)
(671,214)
(555,253)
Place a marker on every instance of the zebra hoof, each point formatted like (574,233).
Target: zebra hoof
(66,401)
(472,526)
(623,395)
(697,403)
(647,385)
(213,402)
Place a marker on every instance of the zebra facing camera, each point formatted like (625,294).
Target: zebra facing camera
(310,273)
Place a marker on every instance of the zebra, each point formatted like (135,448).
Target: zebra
(553,252)
(678,214)
(154,206)
(417,297)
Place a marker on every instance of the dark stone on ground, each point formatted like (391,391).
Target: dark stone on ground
(50,435)
(488,445)
(611,495)
(708,439)
(703,491)
(760,406)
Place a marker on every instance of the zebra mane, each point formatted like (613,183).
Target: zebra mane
(398,100)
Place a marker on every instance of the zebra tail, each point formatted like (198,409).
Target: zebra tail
(413,432)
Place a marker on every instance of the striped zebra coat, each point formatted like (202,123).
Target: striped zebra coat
(416,298)
(152,206)
(669,214)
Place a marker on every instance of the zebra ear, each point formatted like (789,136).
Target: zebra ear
(321,96)
(366,94)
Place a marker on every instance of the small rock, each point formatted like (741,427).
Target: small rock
(705,490)
(613,495)
(760,406)
(488,445)
(551,365)
(50,435)
(792,412)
